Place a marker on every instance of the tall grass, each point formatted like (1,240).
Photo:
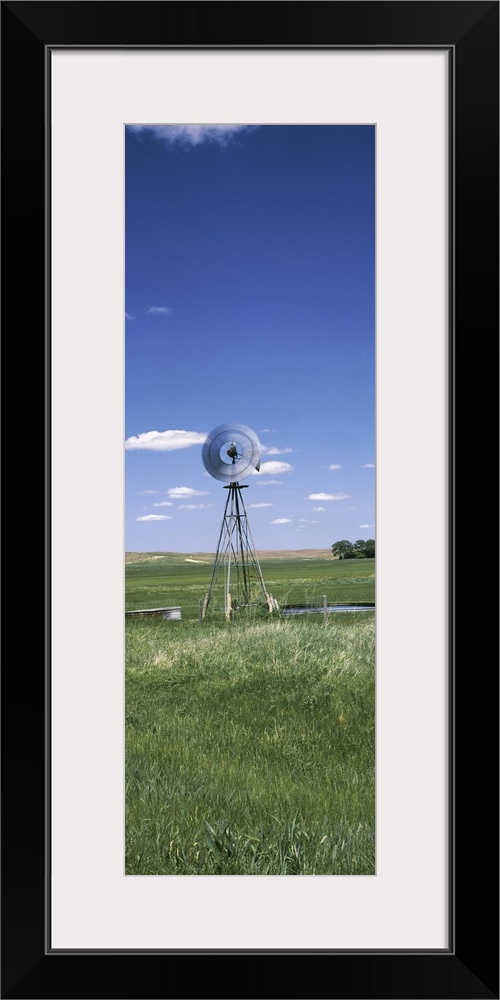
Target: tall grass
(250,746)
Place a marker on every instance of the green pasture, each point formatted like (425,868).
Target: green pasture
(250,745)
(155,580)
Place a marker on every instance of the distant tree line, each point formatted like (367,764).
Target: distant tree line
(354,550)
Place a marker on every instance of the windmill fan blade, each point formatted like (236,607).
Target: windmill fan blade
(231,452)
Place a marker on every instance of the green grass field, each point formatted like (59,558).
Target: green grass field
(250,745)
(155,580)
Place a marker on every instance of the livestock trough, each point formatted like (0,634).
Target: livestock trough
(294,609)
(166,613)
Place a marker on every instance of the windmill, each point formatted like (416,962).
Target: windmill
(230,453)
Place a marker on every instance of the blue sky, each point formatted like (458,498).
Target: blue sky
(250,297)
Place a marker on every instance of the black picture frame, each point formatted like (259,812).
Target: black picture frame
(469,969)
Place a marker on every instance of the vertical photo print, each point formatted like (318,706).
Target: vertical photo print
(249,556)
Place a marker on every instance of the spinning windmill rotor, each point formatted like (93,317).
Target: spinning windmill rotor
(230,453)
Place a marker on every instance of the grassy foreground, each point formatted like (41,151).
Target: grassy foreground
(250,746)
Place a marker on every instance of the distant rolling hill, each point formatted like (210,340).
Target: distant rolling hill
(208,557)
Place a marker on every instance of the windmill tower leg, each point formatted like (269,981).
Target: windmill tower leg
(218,561)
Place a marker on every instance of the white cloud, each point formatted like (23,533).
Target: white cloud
(267,482)
(143,493)
(154,517)
(164,440)
(260,505)
(192,135)
(159,311)
(128,316)
(328,496)
(282,520)
(163,503)
(194,506)
(274,469)
(183,492)
(275,451)
(333,468)
(319,508)
(367,525)
(369,465)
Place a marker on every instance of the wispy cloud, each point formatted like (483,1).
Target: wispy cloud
(319,508)
(144,493)
(154,517)
(194,506)
(369,465)
(333,468)
(328,496)
(183,492)
(163,503)
(367,525)
(192,135)
(159,311)
(274,469)
(164,440)
(282,520)
(268,482)
(128,316)
(260,505)
(275,451)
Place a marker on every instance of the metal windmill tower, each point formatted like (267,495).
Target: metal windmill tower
(231,452)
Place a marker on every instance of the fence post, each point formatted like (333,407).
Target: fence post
(325,612)
(200,610)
